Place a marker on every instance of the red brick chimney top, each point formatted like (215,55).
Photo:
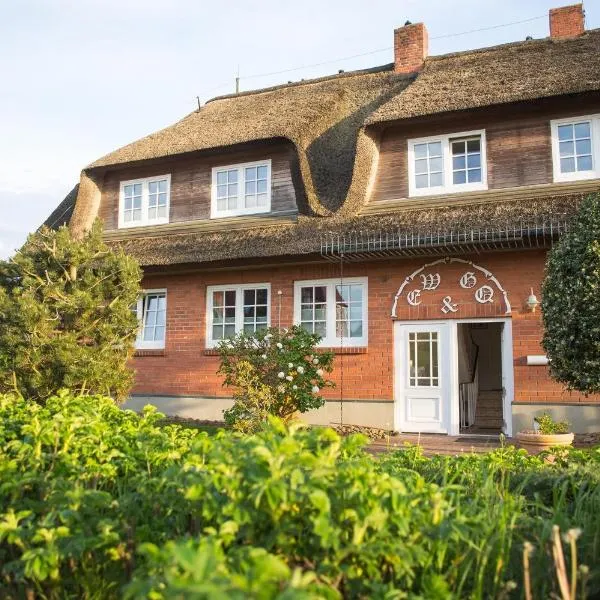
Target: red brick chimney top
(411,44)
(567,21)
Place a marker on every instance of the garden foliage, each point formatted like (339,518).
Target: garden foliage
(96,502)
(65,316)
(571,302)
(275,372)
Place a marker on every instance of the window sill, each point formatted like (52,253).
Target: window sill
(334,349)
(344,349)
(139,352)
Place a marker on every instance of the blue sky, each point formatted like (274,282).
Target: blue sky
(83,77)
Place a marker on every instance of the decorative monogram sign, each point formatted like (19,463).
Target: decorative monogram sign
(478,283)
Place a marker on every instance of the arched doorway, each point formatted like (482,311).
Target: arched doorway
(452,351)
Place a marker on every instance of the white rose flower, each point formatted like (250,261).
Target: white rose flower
(289,378)
(264,356)
(294,387)
(291,365)
(315,389)
(320,372)
(316,361)
(300,370)
(268,336)
(279,345)
(281,374)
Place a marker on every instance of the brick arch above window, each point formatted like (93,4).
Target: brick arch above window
(433,291)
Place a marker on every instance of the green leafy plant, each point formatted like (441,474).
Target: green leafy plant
(99,502)
(65,316)
(571,302)
(273,372)
(548,426)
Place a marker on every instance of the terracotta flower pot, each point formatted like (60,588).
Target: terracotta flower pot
(535,442)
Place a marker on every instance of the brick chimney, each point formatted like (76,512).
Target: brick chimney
(567,21)
(411,44)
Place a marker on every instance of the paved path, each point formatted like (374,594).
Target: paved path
(439,444)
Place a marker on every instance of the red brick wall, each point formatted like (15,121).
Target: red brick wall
(185,368)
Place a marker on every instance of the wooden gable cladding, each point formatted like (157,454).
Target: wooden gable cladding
(519,147)
(191,181)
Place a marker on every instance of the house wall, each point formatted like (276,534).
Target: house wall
(519,150)
(364,376)
(191,181)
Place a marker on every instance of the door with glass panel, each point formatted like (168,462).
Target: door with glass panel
(423,386)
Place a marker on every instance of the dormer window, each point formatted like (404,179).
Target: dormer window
(447,164)
(576,148)
(144,201)
(243,189)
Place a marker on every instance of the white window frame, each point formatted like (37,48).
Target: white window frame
(448,187)
(239,307)
(238,212)
(577,175)
(144,181)
(331,340)
(140,344)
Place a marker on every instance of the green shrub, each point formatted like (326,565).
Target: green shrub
(274,372)
(96,502)
(65,316)
(548,426)
(571,302)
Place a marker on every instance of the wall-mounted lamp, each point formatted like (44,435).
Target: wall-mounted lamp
(532,302)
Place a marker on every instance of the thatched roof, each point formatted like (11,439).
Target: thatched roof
(498,75)
(322,117)
(331,121)
(306,235)
(62,214)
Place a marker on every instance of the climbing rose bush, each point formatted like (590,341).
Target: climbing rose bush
(274,372)
(571,302)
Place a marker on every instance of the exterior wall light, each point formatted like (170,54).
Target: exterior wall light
(532,302)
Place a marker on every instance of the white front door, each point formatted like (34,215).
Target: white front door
(424,377)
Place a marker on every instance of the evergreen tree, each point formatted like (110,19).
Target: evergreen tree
(66,318)
(571,302)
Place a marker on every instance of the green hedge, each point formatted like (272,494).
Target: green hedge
(97,502)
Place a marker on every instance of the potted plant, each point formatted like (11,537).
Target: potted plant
(547,433)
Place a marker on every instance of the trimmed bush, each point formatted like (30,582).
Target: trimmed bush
(571,302)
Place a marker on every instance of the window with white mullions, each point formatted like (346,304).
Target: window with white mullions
(429,165)
(152,316)
(466,160)
(144,201)
(256,186)
(227,190)
(447,164)
(132,203)
(255,309)
(243,189)
(349,311)
(223,310)
(232,309)
(157,199)
(423,359)
(313,309)
(575,147)
(335,311)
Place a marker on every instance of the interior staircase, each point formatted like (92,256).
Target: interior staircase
(488,414)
